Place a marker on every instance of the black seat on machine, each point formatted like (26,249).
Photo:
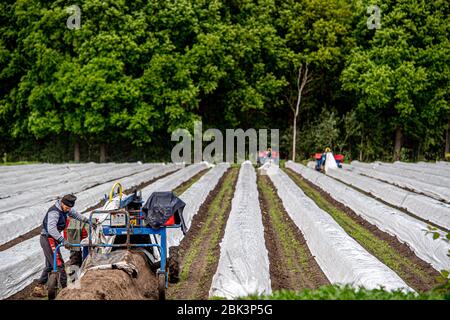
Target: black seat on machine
(161,206)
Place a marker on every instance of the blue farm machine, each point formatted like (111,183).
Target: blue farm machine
(132,224)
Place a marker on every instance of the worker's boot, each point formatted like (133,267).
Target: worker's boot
(39,291)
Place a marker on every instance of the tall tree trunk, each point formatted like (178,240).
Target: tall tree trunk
(398,144)
(102,153)
(76,152)
(300,86)
(294,138)
(419,150)
(447,139)
(361,149)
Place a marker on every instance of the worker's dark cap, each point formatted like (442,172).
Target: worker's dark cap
(69,200)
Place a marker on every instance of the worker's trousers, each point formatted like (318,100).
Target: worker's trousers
(48,245)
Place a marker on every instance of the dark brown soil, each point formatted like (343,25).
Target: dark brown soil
(33,233)
(412,280)
(201,270)
(26,293)
(116,284)
(292,266)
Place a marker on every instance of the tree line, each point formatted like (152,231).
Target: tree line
(115,88)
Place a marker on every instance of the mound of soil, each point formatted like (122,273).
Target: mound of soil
(115,284)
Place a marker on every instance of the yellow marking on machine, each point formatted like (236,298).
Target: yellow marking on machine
(111,193)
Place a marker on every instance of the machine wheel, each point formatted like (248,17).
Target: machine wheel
(52,285)
(162,286)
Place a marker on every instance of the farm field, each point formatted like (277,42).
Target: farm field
(286,233)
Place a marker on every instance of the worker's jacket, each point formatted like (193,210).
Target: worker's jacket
(55,221)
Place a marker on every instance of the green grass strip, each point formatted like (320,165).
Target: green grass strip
(218,209)
(18,163)
(379,248)
(291,248)
(336,292)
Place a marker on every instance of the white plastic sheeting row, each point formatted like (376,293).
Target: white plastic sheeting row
(433,191)
(24,262)
(12,168)
(425,168)
(165,184)
(419,205)
(20,265)
(243,267)
(405,228)
(26,183)
(30,213)
(20,221)
(174,180)
(342,259)
(444,164)
(169,184)
(50,191)
(431,179)
(427,164)
(194,198)
(37,171)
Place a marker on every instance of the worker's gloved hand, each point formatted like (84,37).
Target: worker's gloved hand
(66,244)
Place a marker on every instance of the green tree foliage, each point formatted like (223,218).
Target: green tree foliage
(400,72)
(137,70)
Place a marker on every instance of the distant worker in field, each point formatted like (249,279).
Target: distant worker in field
(328,161)
(324,157)
(54,223)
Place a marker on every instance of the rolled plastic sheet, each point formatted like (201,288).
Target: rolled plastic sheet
(405,228)
(119,259)
(421,206)
(342,259)
(23,262)
(243,266)
(330,162)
